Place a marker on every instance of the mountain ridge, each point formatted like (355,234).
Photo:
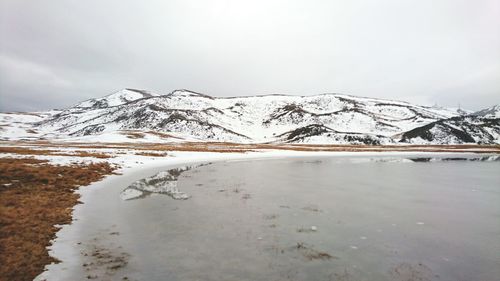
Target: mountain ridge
(323,119)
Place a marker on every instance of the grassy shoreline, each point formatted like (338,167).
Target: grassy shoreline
(224,147)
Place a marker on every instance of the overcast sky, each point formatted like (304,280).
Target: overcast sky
(55,53)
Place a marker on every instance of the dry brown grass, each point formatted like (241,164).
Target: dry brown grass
(152,154)
(142,134)
(21,150)
(241,148)
(35,196)
(133,135)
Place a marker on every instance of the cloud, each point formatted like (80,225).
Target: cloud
(442,52)
(18,71)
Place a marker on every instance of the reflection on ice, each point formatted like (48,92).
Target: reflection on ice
(162,183)
(473,158)
(435,159)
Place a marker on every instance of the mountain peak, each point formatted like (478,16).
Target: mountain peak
(129,94)
(188,93)
(117,98)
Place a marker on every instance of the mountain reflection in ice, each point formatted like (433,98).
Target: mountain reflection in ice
(419,159)
(489,158)
(162,183)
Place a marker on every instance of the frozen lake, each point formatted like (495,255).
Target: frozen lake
(357,218)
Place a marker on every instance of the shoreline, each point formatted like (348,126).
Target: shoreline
(64,247)
(239,147)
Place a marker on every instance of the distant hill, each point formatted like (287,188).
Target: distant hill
(187,115)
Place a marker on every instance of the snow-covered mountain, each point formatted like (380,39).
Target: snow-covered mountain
(114,99)
(326,118)
(482,127)
(21,125)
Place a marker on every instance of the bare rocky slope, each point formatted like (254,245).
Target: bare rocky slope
(322,119)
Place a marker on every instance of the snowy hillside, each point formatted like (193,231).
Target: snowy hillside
(457,130)
(114,99)
(186,115)
(492,112)
(319,134)
(22,125)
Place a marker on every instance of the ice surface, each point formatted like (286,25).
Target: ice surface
(186,240)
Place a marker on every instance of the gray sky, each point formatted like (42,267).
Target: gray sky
(55,53)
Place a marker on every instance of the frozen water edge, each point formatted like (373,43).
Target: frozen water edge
(89,223)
